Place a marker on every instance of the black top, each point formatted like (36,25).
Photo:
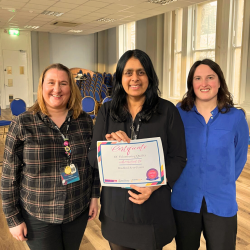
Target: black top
(167,124)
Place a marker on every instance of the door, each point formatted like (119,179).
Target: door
(15,75)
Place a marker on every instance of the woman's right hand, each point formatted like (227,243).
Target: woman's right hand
(19,232)
(118,136)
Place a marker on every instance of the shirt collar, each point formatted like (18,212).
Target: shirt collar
(45,117)
(214,112)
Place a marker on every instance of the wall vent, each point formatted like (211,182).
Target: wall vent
(65,24)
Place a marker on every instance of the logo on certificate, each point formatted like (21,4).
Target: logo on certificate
(152,174)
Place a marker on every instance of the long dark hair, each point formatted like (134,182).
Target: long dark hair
(118,110)
(224,97)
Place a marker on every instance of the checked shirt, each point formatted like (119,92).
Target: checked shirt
(33,155)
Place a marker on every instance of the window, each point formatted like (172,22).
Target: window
(126,37)
(204,31)
(236,43)
(177,54)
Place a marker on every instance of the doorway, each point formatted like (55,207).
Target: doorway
(15,76)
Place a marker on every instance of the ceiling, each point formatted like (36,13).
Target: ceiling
(20,13)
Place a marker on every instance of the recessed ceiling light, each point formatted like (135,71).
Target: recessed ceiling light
(106,20)
(162,2)
(75,31)
(52,13)
(31,27)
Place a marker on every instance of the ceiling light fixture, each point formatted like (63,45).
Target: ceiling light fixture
(31,27)
(52,13)
(75,31)
(162,2)
(106,20)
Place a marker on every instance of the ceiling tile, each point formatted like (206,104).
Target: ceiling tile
(68,15)
(48,27)
(86,18)
(36,23)
(75,1)
(78,12)
(46,17)
(6,14)
(36,6)
(43,18)
(58,9)
(118,7)
(25,14)
(94,14)
(96,4)
(107,1)
(116,16)
(28,10)
(106,11)
(87,8)
(12,4)
(44,2)
(134,9)
(23,1)
(146,5)
(65,5)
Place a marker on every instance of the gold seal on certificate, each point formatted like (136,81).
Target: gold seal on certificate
(140,162)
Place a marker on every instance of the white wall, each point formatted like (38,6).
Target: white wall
(21,42)
(73,51)
(35,62)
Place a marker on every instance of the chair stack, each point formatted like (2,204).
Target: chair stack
(97,88)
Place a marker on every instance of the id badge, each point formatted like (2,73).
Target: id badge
(69,174)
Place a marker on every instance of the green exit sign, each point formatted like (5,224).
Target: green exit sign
(14,32)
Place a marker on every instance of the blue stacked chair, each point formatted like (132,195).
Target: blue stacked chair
(17,106)
(106,99)
(89,106)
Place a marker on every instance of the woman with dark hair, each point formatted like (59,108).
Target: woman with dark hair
(204,197)
(49,190)
(142,217)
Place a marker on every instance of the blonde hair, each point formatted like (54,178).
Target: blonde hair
(74,102)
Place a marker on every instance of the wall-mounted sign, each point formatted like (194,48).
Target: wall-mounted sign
(9,70)
(14,32)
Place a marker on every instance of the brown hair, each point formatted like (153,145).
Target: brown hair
(74,102)
(224,97)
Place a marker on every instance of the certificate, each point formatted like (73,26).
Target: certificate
(140,162)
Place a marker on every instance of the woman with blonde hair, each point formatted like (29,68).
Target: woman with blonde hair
(49,190)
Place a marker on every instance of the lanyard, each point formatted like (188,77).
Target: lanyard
(66,142)
(135,132)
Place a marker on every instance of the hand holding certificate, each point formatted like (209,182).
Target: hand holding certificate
(140,162)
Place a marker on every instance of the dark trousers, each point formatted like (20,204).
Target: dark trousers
(117,247)
(219,232)
(48,236)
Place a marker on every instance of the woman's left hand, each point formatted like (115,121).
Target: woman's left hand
(93,208)
(118,136)
(145,193)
